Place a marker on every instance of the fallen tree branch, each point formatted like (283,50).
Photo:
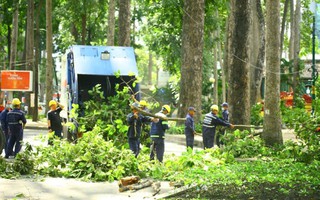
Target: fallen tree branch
(156,116)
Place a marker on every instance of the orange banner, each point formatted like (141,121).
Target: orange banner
(16,80)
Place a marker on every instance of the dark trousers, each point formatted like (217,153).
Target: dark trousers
(134,144)
(157,148)
(189,140)
(6,137)
(15,140)
(208,139)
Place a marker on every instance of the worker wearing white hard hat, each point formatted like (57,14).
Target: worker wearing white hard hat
(210,122)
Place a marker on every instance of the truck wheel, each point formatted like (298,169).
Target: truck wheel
(2,141)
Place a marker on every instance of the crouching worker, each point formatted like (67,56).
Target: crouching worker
(210,122)
(16,122)
(157,133)
(135,121)
(54,120)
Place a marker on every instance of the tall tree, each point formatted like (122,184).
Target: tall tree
(49,65)
(14,37)
(111,22)
(37,53)
(192,56)
(239,80)
(257,51)
(124,23)
(283,24)
(30,53)
(296,50)
(215,70)
(272,116)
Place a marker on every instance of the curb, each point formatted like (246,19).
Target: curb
(181,139)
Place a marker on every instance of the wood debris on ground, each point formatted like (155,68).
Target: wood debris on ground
(134,183)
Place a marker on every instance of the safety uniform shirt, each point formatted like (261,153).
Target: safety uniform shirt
(3,119)
(210,122)
(135,124)
(225,115)
(189,125)
(158,128)
(55,119)
(15,120)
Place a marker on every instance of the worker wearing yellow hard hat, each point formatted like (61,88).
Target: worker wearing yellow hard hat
(54,120)
(135,121)
(210,122)
(157,133)
(16,122)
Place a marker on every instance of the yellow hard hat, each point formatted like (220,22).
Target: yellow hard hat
(167,108)
(16,101)
(52,102)
(214,107)
(143,103)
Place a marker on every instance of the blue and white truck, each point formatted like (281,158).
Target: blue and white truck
(83,67)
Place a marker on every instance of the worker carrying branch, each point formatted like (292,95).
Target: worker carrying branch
(210,122)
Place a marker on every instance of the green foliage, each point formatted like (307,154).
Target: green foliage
(256,116)
(24,162)
(243,144)
(175,130)
(106,115)
(92,158)
(306,130)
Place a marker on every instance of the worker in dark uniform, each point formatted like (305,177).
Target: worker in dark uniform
(135,120)
(189,129)
(145,132)
(225,117)
(157,133)
(54,120)
(210,122)
(16,123)
(4,125)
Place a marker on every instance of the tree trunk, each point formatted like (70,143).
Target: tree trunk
(215,71)
(83,28)
(111,22)
(239,82)
(49,65)
(150,65)
(30,49)
(272,116)
(14,36)
(37,61)
(257,49)
(291,41)
(296,51)
(124,23)
(283,25)
(192,57)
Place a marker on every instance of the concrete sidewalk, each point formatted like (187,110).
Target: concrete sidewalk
(61,188)
(41,124)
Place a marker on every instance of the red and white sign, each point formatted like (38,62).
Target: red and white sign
(16,80)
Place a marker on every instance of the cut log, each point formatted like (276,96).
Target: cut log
(141,185)
(128,180)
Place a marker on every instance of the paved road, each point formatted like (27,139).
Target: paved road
(61,188)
